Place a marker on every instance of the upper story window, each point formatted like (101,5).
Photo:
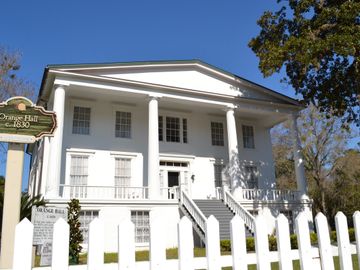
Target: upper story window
(217,133)
(248,136)
(123,125)
(176,129)
(79,170)
(122,172)
(251,176)
(81,120)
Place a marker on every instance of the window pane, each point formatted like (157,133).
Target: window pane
(185,132)
(251,175)
(142,226)
(172,129)
(161,138)
(81,120)
(218,168)
(85,218)
(123,125)
(122,172)
(79,170)
(248,136)
(217,133)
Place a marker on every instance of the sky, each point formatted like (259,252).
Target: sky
(64,32)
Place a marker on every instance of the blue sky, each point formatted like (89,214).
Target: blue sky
(57,32)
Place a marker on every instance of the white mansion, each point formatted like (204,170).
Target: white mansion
(167,139)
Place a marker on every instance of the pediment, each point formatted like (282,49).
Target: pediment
(193,75)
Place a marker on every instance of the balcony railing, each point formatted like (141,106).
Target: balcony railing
(104,192)
(114,193)
(268,195)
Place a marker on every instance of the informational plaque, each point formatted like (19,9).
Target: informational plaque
(43,218)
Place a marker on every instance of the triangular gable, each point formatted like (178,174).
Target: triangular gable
(194,75)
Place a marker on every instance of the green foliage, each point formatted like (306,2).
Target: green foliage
(76,237)
(27,203)
(316,43)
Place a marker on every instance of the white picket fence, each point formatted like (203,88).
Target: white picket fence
(310,257)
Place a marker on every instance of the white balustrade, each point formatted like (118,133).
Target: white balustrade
(238,209)
(269,195)
(193,210)
(309,257)
(104,192)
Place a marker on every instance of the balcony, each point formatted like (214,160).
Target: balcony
(114,193)
(274,195)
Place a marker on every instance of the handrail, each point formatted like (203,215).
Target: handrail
(193,210)
(238,209)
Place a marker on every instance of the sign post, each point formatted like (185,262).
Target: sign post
(21,122)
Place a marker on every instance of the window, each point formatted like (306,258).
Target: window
(85,218)
(161,136)
(79,170)
(217,133)
(251,176)
(176,129)
(172,129)
(218,168)
(81,120)
(142,226)
(123,125)
(122,172)
(248,136)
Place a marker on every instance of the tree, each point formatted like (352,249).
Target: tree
(317,44)
(323,142)
(76,237)
(344,193)
(10,83)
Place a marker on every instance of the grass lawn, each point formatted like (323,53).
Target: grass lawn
(198,252)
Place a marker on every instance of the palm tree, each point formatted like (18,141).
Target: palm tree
(27,203)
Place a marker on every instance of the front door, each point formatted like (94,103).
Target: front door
(173,179)
(173,183)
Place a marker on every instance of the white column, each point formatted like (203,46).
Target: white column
(299,160)
(153,149)
(232,147)
(54,169)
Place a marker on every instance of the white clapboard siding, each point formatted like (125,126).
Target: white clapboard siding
(239,260)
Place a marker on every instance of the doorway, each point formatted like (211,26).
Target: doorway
(173,179)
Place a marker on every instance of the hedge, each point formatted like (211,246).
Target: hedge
(225,245)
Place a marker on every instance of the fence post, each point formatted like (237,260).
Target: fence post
(356,218)
(23,245)
(95,257)
(60,246)
(325,249)
(238,243)
(212,243)
(283,242)
(261,244)
(343,242)
(126,245)
(157,243)
(186,244)
(303,238)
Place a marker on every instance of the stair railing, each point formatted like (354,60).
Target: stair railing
(238,209)
(193,210)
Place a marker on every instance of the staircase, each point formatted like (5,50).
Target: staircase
(219,210)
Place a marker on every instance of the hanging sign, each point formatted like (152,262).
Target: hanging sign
(23,122)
